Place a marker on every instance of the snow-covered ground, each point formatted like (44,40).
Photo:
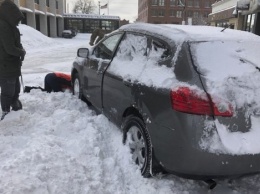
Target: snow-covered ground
(57,145)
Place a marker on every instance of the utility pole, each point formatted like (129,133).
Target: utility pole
(183,5)
(99,7)
(108,7)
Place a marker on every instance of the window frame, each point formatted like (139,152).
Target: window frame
(154,2)
(161,3)
(101,47)
(179,14)
(172,2)
(150,39)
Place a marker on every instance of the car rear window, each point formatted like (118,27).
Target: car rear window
(219,60)
(231,70)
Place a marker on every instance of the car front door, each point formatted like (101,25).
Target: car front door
(118,85)
(95,66)
(132,68)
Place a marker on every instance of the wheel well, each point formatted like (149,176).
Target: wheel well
(74,71)
(155,166)
(132,111)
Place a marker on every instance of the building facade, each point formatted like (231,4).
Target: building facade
(224,15)
(250,10)
(50,18)
(240,15)
(87,23)
(193,12)
(45,16)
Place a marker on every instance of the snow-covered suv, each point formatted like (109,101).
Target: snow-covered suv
(187,98)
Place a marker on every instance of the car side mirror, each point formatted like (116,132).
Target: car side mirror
(83,52)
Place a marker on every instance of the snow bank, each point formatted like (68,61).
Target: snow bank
(32,38)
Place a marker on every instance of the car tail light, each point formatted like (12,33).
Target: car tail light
(188,100)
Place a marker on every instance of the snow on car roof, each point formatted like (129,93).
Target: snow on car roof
(68,31)
(181,33)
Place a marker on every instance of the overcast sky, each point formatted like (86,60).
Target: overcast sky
(125,9)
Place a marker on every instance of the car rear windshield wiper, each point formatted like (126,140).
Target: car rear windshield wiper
(249,62)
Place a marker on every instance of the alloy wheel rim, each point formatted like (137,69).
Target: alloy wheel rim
(76,87)
(136,144)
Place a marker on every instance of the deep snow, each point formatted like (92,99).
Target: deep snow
(57,145)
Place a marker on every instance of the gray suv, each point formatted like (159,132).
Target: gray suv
(182,96)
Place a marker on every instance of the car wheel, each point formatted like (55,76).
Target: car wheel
(137,138)
(76,86)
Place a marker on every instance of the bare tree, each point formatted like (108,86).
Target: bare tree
(199,21)
(84,6)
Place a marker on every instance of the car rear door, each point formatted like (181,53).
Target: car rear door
(95,66)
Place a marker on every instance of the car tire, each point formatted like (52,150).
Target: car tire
(76,86)
(77,89)
(136,136)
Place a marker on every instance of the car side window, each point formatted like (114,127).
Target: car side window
(158,49)
(132,46)
(106,48)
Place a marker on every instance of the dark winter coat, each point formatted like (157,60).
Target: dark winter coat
(11,50)
(96,33)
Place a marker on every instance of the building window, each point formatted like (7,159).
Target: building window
(154,2)
(250,22)
(36,1)
(74,23)
(179,14)
(47,3)
(172,13)
(161,13)
(223,24)
(190,3)
(195,14)
(206,4)
(154,12)
(57,5)
(189,14)
(172,2)
(161,2)
(196,3)
(206,15)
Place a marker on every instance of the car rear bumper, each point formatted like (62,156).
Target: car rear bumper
(203,165)
(177,148)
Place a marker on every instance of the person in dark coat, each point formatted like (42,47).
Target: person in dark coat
(11,56)
(96,36)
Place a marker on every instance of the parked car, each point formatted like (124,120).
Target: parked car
(67,34)
(74,32)
(186,97)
